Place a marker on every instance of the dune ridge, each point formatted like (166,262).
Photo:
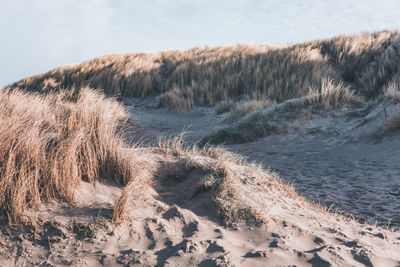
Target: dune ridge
(368,63)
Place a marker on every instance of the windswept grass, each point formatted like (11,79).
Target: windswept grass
(234,72)
(381,72)
(365,63)
(333,95)
(49,143)
(119,74)
(245,107)
(351,55)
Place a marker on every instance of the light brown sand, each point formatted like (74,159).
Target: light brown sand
(170,224)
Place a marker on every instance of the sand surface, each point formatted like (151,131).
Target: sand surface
(346,162)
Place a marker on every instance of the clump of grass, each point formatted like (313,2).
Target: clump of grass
(392,91)
(181,100)
(49,143)
(241,108)
(244,107)
(333,95)
(142,174)
(224,106)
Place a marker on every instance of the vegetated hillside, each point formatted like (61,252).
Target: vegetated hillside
(366,65)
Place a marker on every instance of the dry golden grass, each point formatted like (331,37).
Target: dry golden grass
(244,107)
(119,74)
(49,143)
(224,106)
(333,95)
(384,70)
(213,76)
(142,177)
(234,72)
(351,55)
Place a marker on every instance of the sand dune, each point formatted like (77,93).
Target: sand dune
(89,180)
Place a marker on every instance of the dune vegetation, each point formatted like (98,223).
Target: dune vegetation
(50,143)
(366,64)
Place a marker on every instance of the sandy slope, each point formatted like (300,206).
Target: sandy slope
(172,223)
(344,160)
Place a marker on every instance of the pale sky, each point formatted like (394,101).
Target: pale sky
(38,35)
